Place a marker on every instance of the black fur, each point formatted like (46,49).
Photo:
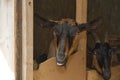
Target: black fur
(103,52)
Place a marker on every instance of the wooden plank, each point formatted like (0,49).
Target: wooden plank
(81,11)
(93,75)
(81,17)
(115,73)
(27,39)
(18,39)
(72,71)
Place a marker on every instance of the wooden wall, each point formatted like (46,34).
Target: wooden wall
(109,11)
(55,9)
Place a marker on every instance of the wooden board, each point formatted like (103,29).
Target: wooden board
(74,69)
(27,39)
(18,40)
(115,73)
(93,75)
(81,17)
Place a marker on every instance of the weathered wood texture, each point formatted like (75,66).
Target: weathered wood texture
(74,69)
(81,11)
(81,17)
(109,11)
(18,39)
(93,75)
(27,39)
(55,9)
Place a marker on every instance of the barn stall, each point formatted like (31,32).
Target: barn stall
(28,38)
(72,10)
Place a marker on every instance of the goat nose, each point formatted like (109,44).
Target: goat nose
(60,59)
(107,75)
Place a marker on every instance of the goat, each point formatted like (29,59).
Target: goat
(65,37)
(102,56)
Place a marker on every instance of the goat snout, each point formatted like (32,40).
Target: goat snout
(106,75)
(61,59)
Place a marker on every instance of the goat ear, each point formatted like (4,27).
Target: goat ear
(92,25)
(44,22)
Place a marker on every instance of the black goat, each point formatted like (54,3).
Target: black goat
(103,55)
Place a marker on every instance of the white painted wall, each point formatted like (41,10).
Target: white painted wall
(7,32)
(5,71)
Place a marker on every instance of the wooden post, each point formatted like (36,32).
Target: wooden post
(18,39)
(81,17)
(81,11)
(27,39)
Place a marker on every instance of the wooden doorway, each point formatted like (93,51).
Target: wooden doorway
(24,37)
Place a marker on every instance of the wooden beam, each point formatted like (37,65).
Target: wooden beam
(18,39)
(81,11)
(81,17)
(27,39)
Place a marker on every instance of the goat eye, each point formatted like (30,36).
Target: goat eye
(73,31)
